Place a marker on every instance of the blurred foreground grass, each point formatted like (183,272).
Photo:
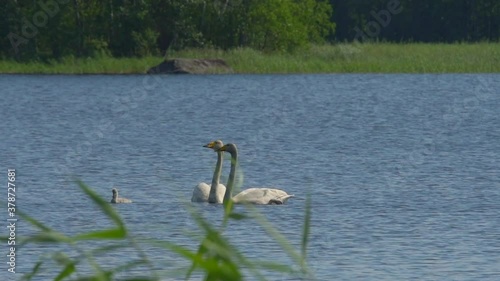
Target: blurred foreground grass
(216,258)
(339,58)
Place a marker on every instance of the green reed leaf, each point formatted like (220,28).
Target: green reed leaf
(277,236)
(67,271)
(34,222)
(236,216)
(307,227)
(114,233)
(34,271)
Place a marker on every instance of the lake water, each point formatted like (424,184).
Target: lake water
(404,170)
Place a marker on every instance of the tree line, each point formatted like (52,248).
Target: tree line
(47,29)
(420,20)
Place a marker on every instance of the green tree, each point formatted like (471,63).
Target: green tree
(19,35)
(286,24)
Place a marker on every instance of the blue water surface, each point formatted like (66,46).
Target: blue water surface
(403,170)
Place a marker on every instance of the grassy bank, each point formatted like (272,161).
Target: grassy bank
(340,58)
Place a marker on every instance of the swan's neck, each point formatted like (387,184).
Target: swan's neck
(212,198)
(230,182)
(115,195)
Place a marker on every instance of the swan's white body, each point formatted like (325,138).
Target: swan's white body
(213,193)
(116,199)
(202,191)
(260,196)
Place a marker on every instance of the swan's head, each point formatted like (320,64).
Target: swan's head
(215,145)
(230,147)
(115,191)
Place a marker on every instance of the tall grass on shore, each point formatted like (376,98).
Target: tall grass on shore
(339,58)
(364,58)
(216,258)
(71,65)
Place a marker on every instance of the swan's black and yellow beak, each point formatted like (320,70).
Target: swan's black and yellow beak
(210,145)
(223,148)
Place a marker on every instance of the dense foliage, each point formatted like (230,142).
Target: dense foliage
(420,20)
(47,29)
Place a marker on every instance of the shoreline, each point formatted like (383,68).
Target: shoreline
(372,58)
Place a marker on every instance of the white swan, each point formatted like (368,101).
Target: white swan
(214,193)
(117,199)
(261,196)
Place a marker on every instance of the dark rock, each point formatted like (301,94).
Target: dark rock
(191,66)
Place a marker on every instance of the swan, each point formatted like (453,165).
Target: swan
(117,199)
(260,196)
(214,193)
